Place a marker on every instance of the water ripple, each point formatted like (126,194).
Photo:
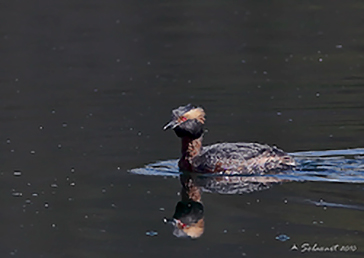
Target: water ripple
(345,166)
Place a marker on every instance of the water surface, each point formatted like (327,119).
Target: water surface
(85,88)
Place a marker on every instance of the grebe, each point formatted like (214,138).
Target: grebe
(226,158)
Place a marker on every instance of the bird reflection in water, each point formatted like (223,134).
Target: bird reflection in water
(188,219)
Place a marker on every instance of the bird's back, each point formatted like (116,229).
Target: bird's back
(241,158)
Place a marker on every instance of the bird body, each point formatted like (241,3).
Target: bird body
(228,158)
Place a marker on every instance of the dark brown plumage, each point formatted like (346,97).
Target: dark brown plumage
(230,158)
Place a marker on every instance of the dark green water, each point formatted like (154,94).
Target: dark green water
(86,86)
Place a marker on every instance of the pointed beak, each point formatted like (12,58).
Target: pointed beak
(170,221)
(170,125)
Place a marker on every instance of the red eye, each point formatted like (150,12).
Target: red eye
(181,225)
(183,118)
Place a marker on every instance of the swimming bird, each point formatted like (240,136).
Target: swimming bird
(225,158)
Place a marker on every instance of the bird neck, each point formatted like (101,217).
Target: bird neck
(190,191)
(191,147)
